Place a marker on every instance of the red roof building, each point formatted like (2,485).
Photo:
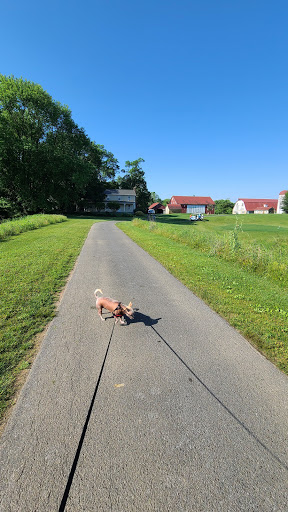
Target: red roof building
(255,206)
(190,204)
(158,207)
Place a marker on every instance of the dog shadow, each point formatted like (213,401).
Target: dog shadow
(138,318)
(145,319)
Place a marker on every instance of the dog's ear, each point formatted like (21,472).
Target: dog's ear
(130,305)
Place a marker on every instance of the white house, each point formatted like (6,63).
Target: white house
(126,200)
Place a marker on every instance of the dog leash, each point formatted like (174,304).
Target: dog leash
(79,448)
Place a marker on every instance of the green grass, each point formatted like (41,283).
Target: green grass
(240,272)
(34,268)
(267,229)
(28,223)
(251,245)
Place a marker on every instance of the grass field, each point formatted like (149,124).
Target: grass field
(237,265)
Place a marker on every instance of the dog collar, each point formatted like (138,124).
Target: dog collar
(118,307)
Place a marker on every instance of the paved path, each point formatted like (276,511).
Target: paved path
(173,412)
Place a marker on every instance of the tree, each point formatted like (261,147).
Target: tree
(134,178)
(223,206)
(113,205)
(47,163)
(104,167)
(154,198)
(32,127)
(284,204)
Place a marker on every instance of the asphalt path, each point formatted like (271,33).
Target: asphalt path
(173,412)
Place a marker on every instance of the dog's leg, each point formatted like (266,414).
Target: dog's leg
(100,312)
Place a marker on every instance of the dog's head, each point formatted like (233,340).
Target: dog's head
(129,311)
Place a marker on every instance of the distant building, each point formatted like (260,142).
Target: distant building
(259,206)
(125,198)
(158,207)
(190,204)
(280,200)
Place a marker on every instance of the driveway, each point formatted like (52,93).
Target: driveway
(173,412)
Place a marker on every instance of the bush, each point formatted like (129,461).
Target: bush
(7,209)
(139,214)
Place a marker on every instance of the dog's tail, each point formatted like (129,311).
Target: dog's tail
(98,290)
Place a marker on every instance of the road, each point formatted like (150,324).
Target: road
(173,412)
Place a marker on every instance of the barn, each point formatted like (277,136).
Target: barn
(255,206)
(190,204)
(158,207)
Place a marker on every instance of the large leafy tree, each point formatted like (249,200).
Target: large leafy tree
(285,203)
(104,169)
(134,178)
(223,206)
(154,198)
(47,162)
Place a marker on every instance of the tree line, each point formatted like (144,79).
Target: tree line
(48,163)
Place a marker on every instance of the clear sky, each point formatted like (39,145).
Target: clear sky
(198,88)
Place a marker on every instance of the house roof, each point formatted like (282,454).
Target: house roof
(120,192)
(193,200)
(256,204)
(174,206)
(283,192)
(157,205)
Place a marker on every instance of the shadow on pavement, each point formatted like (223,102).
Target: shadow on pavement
(147,320)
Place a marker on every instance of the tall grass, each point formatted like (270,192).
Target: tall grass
(271,262)
(15,227)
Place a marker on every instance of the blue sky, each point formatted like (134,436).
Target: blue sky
(197,88)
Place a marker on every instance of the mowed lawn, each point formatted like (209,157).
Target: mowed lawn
(261,228)
(34,268)
(237,265)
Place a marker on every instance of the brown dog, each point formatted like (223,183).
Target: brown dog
(117,309)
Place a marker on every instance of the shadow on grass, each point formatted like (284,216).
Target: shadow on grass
(174,219)
(161,219)
(101,217)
